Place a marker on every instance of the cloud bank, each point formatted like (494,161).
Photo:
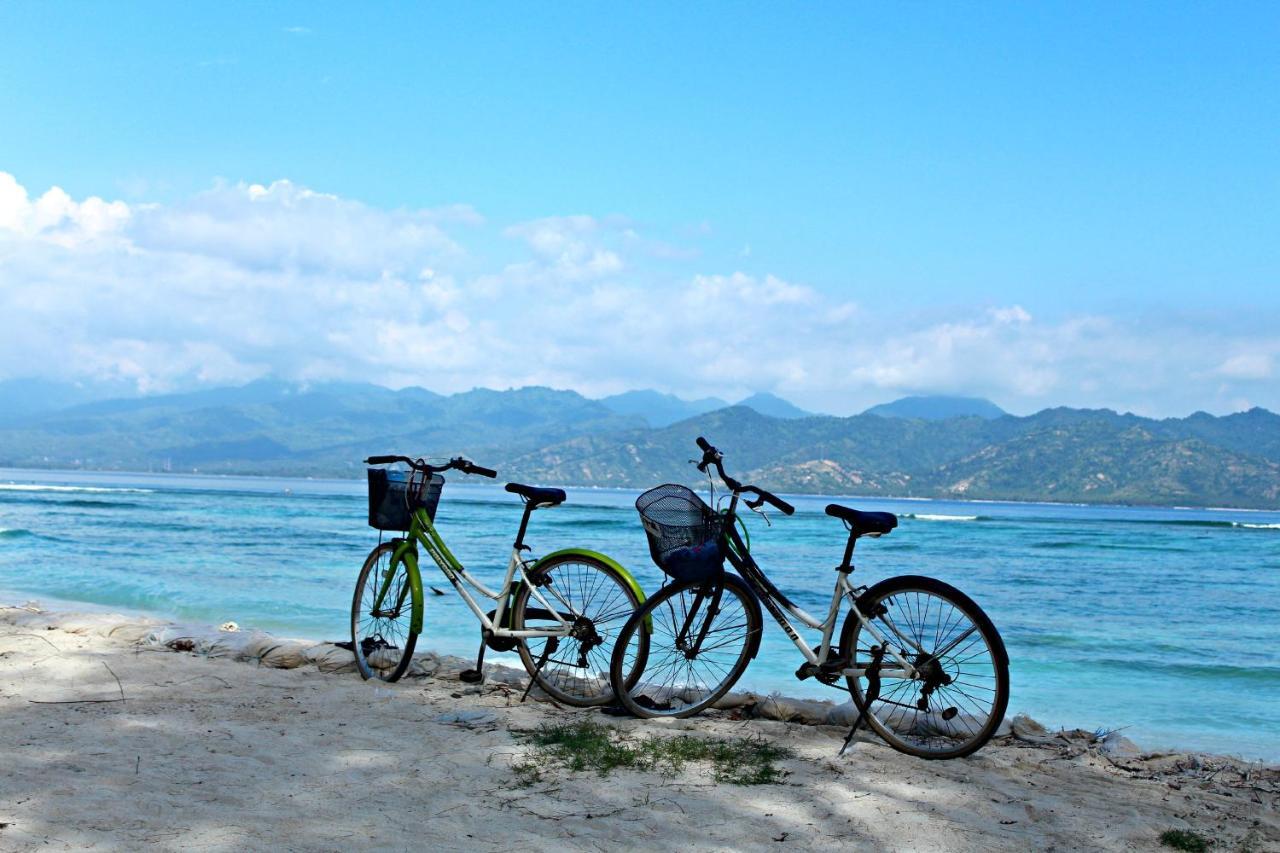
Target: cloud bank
(245,280)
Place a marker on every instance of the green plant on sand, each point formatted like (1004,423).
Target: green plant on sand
(1184,839)
(586,745)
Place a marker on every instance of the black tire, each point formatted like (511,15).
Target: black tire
(382,643)
(667,682)
(600,599)
(975,693)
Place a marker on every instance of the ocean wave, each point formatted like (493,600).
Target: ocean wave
(1210,523)
(1255,674)
(13,532)
(927,516)
(32,487)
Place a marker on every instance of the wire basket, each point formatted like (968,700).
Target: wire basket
(683,532)
(394,495)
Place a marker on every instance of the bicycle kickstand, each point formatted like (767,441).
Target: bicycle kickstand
(547,651)
(475,676)
(872,694)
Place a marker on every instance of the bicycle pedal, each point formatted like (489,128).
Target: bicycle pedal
(471,676)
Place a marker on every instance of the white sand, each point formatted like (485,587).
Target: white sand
(217,754)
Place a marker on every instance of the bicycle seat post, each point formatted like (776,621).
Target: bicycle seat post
(846,566)
(524,525)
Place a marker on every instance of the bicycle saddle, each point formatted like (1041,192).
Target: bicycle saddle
(864,522)
(538,496)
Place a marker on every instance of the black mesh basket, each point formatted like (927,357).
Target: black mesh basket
(394,495)
(684,533)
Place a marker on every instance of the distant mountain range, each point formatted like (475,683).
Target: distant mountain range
(937,408)
(659,410)
(913,447)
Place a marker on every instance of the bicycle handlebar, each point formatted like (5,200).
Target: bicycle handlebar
(476,469)
(712,456)
(384,460)
(768,497)
(457,464)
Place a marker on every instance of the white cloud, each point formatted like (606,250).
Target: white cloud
(54,217)
(246,280)
(567,248)
(1248,365)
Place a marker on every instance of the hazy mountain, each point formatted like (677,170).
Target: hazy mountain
(550,436)
(658,409)
(773,406)
(21,397)
(937,408)
(279,427)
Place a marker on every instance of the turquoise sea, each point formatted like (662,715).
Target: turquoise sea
(1163,621)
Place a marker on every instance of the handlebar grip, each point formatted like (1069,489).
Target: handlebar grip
(483,472)
(770,498)
(783,506)
(380,460)
(703,444)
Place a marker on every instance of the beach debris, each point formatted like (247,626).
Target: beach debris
(1025,728)
(1117,745)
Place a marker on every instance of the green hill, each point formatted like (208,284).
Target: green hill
(549,436)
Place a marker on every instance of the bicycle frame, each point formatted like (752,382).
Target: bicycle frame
(423,532)
(779,606)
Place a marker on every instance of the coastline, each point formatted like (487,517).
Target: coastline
(358,479)
(293,749)
(226,528)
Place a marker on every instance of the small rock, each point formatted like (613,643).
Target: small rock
(1118,746)
(1026,728)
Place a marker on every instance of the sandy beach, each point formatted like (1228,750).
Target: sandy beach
(122,733)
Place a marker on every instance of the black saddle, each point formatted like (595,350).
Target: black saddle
(536,496)
(862,523)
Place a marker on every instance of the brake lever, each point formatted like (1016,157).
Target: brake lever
(756,507)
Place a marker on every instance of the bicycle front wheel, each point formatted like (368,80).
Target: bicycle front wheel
(700,637)
(958,698)
(592,597)
(380,629)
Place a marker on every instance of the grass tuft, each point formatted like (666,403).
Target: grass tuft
(1184,839)
(585,745)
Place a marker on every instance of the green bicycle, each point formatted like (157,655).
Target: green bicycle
(562,612)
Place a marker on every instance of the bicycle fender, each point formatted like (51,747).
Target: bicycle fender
(408,553)
(608,561)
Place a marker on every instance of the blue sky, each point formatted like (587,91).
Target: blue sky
(1044,204)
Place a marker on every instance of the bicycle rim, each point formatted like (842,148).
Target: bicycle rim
(680,677)
(381,639)
(960,696)
(592,597)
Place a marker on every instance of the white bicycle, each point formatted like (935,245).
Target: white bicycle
(927,670)
(562,612)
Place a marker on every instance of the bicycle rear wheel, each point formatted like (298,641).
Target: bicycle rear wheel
(593,597)
(958,700)
(381,637)
(701,636)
